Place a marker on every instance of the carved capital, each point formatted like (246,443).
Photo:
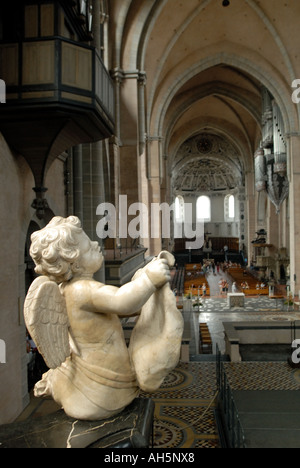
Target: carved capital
(117,75)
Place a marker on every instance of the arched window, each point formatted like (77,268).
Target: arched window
(179,209)
(203,208)
(229,207)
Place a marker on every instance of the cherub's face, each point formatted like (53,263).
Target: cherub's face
(91,257)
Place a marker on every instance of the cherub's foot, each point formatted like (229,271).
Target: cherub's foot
(43,387)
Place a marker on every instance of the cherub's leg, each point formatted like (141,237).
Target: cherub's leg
(43,387)
(156,339)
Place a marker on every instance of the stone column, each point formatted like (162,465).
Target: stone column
(141,82)
(93,177)
(130,137)
(143,189)
(294,151)
(142,162)
(98,195)
(77,182)
(251,212)
(273,230)
(243,219)
(117,77)
(280,227)
(273,226)
(154,159)
(93,193)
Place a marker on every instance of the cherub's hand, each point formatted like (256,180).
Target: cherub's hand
(158,272)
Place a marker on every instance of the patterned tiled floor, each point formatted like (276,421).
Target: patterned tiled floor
(262,376)
(184,425)
(184,408)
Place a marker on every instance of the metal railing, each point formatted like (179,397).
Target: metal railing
(234,431)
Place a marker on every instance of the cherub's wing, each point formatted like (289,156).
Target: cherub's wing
(47,321)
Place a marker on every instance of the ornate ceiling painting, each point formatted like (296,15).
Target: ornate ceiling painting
(207,163)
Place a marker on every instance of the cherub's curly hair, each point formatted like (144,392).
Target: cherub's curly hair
(54,249)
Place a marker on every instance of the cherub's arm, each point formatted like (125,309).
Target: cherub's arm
(131,297)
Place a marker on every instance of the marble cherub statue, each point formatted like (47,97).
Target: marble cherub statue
(75,323)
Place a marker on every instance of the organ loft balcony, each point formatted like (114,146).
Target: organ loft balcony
(58,91)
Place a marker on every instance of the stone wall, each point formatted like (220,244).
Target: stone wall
(16,183)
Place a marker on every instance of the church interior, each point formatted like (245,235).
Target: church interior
(164,125)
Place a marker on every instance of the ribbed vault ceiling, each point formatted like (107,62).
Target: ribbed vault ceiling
(205,67)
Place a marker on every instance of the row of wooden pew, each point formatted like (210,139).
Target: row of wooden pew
(194,286)
(194,280)
(205,341)
(240,275)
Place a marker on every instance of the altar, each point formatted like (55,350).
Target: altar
(236,300)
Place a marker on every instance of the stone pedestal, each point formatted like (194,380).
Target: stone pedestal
(132,428)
